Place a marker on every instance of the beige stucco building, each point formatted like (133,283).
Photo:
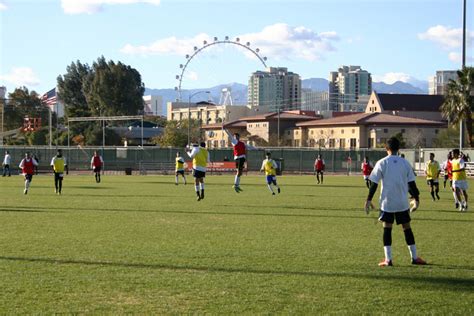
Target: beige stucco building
(421,106)
(365,130)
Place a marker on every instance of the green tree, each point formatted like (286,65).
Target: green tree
(70,89)
(447,137)
(176,134)
(459,101)
(114,89)
(24,103)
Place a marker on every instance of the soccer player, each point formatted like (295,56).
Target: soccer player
(7,160)
(366,170)
(179,169)
(96,165)
(270,166)
(446,166)
(27,166)
(397,179)
(200,158)
(432,171)
(240,154)
(59,165)
(319,166)
(459,180)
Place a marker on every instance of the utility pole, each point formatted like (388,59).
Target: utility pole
(461,123)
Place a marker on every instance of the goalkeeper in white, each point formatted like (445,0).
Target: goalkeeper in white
(398,180)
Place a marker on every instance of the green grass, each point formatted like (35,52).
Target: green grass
(143,245)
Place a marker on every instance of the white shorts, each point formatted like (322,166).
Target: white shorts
(460,184)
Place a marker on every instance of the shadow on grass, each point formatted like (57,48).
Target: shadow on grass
(451,283)
(22,210)
(89,187)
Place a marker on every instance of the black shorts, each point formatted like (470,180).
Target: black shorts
(432,182)
(58,176)
(181,172)
(97,169)
(29,177)
(319,171)
(239,163)
(198,174)
(446,177)
(400,217)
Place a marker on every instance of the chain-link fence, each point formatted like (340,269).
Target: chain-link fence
(294,160)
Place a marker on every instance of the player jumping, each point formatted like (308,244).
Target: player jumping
(432,171)
(270,166)
(27,166)
(179,168)
(200,158)
(240,155)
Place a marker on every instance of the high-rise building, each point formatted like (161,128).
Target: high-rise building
(275,88)
(3,92)
(439,83)
(317,101)
(154,105)
(348,88)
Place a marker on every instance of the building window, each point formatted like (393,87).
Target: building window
(321,132)
(312,132)
(321,143)
(296,132)
(353,143)
(353,131)
(342,131)
(342,143)
(385,130)
(332,132)
(373,101)
(332,143)
(250,125)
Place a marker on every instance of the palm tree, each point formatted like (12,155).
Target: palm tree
(459,101)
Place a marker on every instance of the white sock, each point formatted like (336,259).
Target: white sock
(176,181)
(27,184)
(237,180)
(197,188)
(202,186)
(455,197)
(388,252)
(270,187)
(184,178)
(412,249)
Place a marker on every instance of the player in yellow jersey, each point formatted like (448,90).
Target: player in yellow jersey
(460,185)
(179,168)
(432,171)
(270,167)
(59,165)
(200,157)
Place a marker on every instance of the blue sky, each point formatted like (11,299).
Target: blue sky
(393,39)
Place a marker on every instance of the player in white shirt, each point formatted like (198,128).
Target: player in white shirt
(397,178)
(7,160)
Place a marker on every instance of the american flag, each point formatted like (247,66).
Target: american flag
(50,98)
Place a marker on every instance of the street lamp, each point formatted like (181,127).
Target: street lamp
(189,112)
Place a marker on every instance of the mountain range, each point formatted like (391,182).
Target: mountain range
(239,91)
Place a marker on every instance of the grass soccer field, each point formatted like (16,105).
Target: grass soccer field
(140,244)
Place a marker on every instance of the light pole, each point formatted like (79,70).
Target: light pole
(189,112)
(461,125)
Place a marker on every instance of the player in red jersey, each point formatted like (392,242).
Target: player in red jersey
(319,166)
(27,166)
(96,164)
(240,155)
(366,170)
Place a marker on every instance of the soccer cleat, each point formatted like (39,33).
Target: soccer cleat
(386,263)
(418,261)
(456,205)
(273,193)
(279,190)
(437,195)
(25,191)
(198,198)
(461,207)
(176,183)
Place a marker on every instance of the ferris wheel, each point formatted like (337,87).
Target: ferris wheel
(207,44)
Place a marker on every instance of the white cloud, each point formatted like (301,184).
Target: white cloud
(192,75)
(391,77)
(277,41)
(448,39)
(457,57)
(21,76)
(3,6)
(94,6)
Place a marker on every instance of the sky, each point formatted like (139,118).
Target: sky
(406,40)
